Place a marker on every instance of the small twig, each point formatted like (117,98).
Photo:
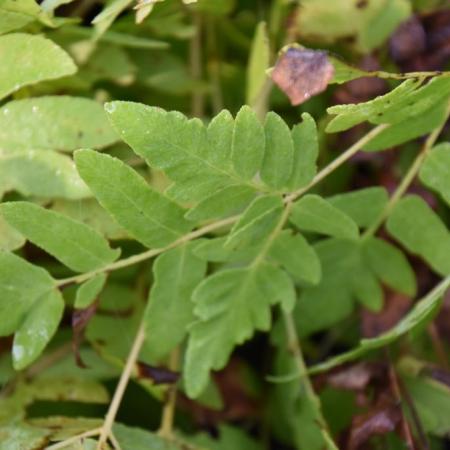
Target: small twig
(406,430)
(74,439)
(114,441)
(120,389)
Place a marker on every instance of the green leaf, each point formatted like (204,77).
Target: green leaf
(345,277)
(88,292)
(344,72)
(435,170)
(28,59)
(416,317)
(369,26)
(73,243)
(54,122)
(10,238)
(416,226)
(196,159)
(248,143)
(131,438)
(364,206)
(306,150)
(366,288)
(15,15)
(321,306)
(220,137)
(256,222)
(383,23)
(51,5)
(110,12)
(258,63)
(402,103)
(295,254)
(169,311)
(22,437)
(112,333)
(410,128)
(390,265)
(215,250)
(230,306)
(21,284)
(41,174)
(432,402)
(37,329)
(313,213)
(124,40)
(91,213)
(147,215)
(295,403)
(229,438)
(224,202)
(279,152)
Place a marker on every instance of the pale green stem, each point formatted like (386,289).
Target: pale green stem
(295,348)
(407,179)
(147,254)
(166,428)
(337,162)
(407,75)
(74,439)
(222,223)
(106,429)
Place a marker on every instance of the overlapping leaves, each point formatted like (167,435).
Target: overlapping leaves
(204,161)
(232,165)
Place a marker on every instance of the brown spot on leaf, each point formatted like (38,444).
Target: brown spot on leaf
(302,73)
(361,4)
(159,375)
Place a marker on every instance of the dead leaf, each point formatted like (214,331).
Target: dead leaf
(302,73)
(355,377)
(159,375)
(80,319)
(381,419)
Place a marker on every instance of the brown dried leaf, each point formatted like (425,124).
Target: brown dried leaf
(80,319)
(382,419)
(159,375)
(302,73)
(355,377)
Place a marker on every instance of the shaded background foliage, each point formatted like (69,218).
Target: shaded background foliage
(60,60)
